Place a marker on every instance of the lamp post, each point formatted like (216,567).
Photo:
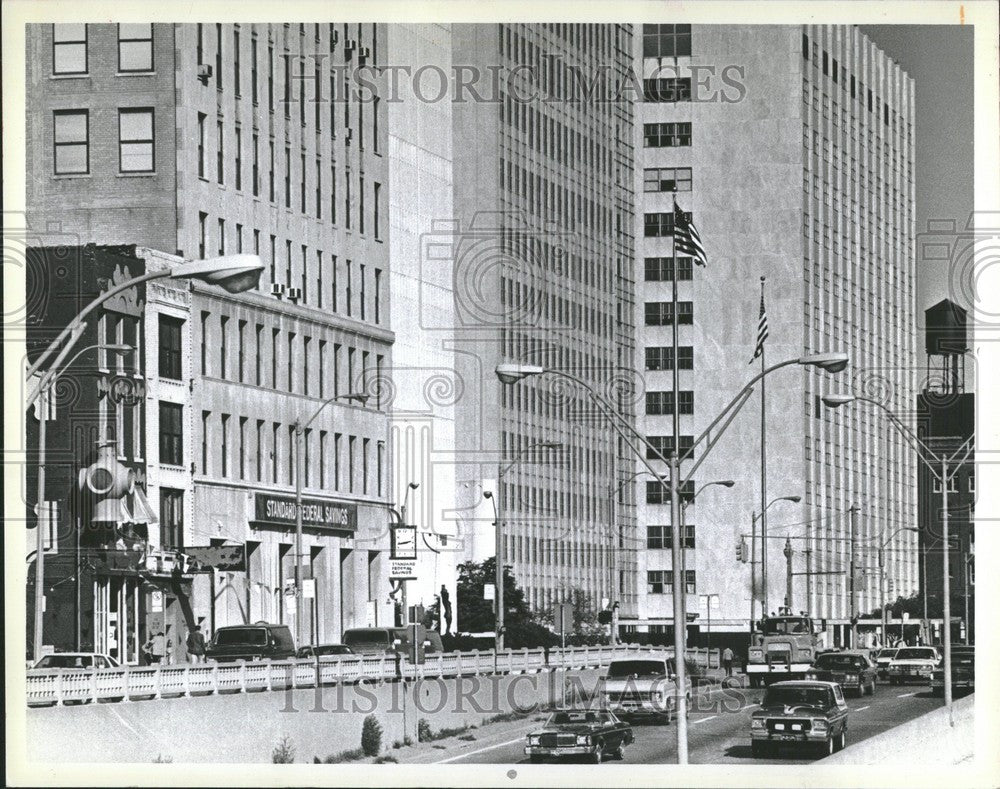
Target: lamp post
(830,362)
(498,509)
(943,468)
(402,584)
(753,559)
(299,470)
(708,610)
(233,273)
(881,579)
(45,384)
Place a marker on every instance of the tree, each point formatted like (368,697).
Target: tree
(587,631)
(912,605)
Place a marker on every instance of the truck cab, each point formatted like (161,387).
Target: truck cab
(783,647)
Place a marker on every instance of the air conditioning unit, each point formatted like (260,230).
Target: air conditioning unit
(277,289)
(204,72)
(294,294)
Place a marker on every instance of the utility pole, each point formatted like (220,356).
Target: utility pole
(809,601)
(881,594)
(753,571)
(946,588)
(788,573)
(854,600)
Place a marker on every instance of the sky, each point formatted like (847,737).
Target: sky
(939,58)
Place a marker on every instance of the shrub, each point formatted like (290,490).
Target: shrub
(385,759)
(371,736)
(160,759)
(407,740)
(339,758)
(424,733)
(283,753)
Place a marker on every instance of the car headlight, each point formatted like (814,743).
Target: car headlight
(818,724)
(583,739)
(851,678)
(534,739)
(656,695)
(756,723)
(810,675)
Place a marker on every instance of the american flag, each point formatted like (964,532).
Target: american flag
(761,325)
(686,238)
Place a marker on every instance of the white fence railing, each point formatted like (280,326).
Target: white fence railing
(153,682)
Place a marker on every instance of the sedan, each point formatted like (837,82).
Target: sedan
(913,663)
(72,661)
(802,714)
(590,733)
(851,670)
(323,650)
(963,671)
(883,657)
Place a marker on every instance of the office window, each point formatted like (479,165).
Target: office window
(223,332)
(336,461)
(655,539)
(242,447)
(69,49)
(170,347)
(256,166)
(202,233)
(665,446)
(661,269)
(135,47)
(666,135)
(200,46)
(239,157)
(71,139)
(201,145)
(222,236)
(657,493)
(275,438)
(667,89)
(171,518)
(363,299)
(656,582)
(306,345)
(274,357)
(218,57)
(258,353)
(239,237)
(290,460)
(381,466)
(322,459)
(365,452)
(204,342)
(225,445)
(351,451)
(667,179)
(171,434)
(378,296)
(220,152)
(240,352)
(378,208)
(135,141)
(333,196)
(259,453)
(666,41)
(319,187)
(375,110)
(361,204)
(322,368)
(659,403)
(236,63)
(662,357)
(660,313)
(288,177)
(347,200)
(302,183)
(661,224)
(253,68)
(270,79)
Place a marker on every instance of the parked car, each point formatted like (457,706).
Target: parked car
(261,641)
(800,713)
(882,659)
(913,663)
(323,650)
(851,670)
(72,661)
(388,640)
(963,671)
(592,733)
(642,687)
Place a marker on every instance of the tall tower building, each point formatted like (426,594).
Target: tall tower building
(792,148)
(542,244)
(210,139)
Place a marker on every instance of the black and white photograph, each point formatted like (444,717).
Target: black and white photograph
(501,394)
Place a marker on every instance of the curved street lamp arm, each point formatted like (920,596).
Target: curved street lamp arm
(45,379)
(323,405)
(923,451)
(520,455)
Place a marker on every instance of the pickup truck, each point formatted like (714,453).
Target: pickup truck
(642,686)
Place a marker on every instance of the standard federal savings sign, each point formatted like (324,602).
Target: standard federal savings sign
(316,513)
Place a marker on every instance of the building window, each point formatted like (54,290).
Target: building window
(365,452)
(240,352)
(218,57)
(201,145)
(259,454)
(242,447)
(236,63)
(666,41)
(225,445)
(655,539)
(972,482)
(665,446)
(661,224)
(661,269)
(171,518)
(667,179)
(662,357)
(69,49)
(660,403)
(170,347)
(661,313)
(239,157)
(381,467)
(223,350)
(135,47)
(378,296)
(171,434)
(666,135)
(253,68)
(302,183)
(220,152)
(667,89)
(135,141)
(222,236)
(378,204)
(656,582)
(202,233)
(288,177)
(71,136)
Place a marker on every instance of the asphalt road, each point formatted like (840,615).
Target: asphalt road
(718,730)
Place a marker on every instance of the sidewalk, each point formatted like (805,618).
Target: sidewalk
(924,740)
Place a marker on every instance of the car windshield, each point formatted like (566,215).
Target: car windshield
(335,649)
(65,661)
(839,661)
(916,654)
(578,716)
(256,636)
(369,637)
(636,668)
(795,696)
(887,654)
(963,657)
(780,627)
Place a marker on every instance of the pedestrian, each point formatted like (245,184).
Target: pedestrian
(196,645)
(156,647)
(727,661)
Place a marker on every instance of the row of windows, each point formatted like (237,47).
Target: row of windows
(70,54)
(658,493)
(661,581)
(659,537)
(667,89)
(666,135)
(661,224)
(71,141)
(662,357)
(665,41)
(665,446)
(659,403)
(661,269)
(666,179)
(661,313)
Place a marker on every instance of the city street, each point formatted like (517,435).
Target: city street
(716,736)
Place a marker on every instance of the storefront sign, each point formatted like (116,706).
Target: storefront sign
(336,516)
(225,558)
(402,569)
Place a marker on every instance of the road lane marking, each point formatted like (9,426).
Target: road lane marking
(122,721)
(702,720)
(904,695)
(858,709)
(481,750)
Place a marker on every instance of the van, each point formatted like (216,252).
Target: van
(260,641)
(389,640)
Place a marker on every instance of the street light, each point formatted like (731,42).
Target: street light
(402,582)
(299,431)
(881,578)
(498,511)
(45,383)
(763,557)
(830,362)
(949,465)
(233,273)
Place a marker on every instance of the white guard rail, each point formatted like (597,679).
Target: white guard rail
(152,682)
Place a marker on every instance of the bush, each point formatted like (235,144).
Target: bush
(371,736)
(283,753)
(386,759)
(339,758)
(424,733)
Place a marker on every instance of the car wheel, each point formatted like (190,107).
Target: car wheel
(871,687)
(758,748)
(619,753)
(598,756)
(841,740)
(828,747)
(536,760)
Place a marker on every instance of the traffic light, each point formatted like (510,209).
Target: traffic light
(108,481)
(741,550)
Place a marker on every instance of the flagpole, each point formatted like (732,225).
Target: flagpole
(763,468)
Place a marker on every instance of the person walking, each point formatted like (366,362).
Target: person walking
(196,645)
(156,647)
(727,661)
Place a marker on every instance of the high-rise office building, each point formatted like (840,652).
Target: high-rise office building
(213,139)
(792,149)
(541,248)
